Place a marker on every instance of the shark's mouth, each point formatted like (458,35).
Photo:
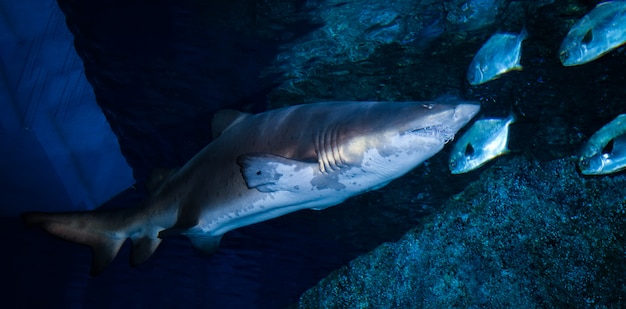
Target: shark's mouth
(441,132)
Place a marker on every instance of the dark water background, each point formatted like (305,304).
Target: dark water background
(160,69)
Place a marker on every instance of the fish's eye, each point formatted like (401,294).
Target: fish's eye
(608,148)
(587,38)
(584,163)
(469,150)
(453,164)
(564,55)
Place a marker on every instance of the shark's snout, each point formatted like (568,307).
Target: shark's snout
(463,113)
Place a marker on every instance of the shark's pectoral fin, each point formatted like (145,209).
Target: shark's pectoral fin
(206,244)
(143,248)
(270,173)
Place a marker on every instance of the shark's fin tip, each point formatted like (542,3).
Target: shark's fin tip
(142,249)
(104,251)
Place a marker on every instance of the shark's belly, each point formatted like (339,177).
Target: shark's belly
(270,206)
(304,190)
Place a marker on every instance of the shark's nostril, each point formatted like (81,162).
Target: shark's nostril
(466,111)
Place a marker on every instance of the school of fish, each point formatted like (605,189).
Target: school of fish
(599,32)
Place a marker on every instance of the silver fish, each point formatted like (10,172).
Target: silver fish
(483,141)
(605,151)
(263,166)
(597,33)
(500,54)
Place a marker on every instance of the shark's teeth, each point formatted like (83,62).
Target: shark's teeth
(441,132)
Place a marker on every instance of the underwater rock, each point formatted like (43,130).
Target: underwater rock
(473,14)
(525,235)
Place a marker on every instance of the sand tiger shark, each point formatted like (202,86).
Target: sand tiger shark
(266,165)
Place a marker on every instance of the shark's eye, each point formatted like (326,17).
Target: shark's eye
(587,38)
(469,150)
(608,148)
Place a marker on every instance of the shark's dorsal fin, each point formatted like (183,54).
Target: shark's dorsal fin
(224,119)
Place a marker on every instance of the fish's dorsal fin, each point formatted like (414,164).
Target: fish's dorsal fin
(224,119)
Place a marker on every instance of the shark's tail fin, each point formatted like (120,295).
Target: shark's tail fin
(103,231)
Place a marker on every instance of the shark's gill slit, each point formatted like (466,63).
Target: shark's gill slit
(335,148)
(327,166)
(319,150)
(328,149)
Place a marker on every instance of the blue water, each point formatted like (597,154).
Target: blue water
(158,71)
(266,265)
(263,266)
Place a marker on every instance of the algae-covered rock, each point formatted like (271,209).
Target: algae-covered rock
(525,235)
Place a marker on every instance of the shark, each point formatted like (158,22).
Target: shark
(262,166)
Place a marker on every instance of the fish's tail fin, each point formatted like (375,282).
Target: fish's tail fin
(104,231)
(529,11)
(512,116)
(523,35)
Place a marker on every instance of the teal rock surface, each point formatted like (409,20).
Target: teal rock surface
(526,234)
